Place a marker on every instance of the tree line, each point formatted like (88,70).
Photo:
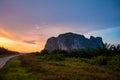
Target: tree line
(104,50)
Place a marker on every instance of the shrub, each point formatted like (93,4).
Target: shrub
(114,63)
(104,50)
(100,60)
(54,57)
(43,52)
(4,51)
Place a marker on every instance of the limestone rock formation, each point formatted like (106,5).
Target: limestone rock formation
(70,41)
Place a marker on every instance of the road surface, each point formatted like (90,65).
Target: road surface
(4,60)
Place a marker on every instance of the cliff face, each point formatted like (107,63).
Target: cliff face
(71,41)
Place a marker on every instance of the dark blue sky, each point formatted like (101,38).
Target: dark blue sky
(47,18)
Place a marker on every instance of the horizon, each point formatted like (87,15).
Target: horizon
(26,25)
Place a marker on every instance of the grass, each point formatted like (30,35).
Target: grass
(14,71)
(50,67)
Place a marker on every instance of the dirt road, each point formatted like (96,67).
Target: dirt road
(4,60)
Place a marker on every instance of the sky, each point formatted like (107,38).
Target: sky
(25,25)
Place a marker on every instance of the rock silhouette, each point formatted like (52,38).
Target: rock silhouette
(70,41)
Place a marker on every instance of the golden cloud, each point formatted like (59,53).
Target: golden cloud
(8,41)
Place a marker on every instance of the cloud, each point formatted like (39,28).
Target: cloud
(5,33)
(30,41)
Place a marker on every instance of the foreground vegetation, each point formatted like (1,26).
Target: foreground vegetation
(54,67)
(62,65)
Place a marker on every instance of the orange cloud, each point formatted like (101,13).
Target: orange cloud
(19,46)
(8,41)
(18,42)
(5,33)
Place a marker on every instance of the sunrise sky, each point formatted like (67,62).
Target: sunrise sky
(25,25)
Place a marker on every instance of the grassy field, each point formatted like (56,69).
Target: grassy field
(56,67)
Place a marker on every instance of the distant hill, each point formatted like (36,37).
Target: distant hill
(70,41)
(4,51)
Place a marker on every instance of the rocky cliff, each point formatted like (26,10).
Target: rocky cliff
(71,41)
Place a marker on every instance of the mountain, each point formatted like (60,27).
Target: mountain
(70,41)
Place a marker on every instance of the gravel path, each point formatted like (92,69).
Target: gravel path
(4,60)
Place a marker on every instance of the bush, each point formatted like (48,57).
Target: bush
(43,52)
(4,51)
(104,50)
(54,57)
(100,60)
(114,63)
